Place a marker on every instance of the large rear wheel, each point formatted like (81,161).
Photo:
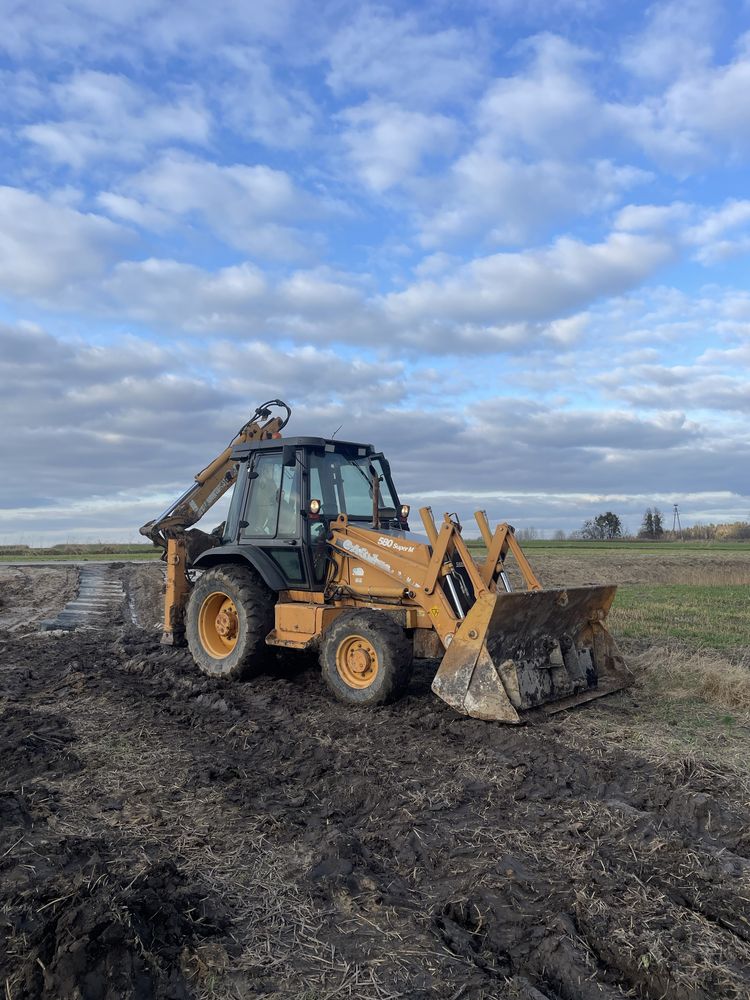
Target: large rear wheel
(366,658)
(229,615)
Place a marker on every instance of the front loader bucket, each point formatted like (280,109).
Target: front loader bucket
(532,649)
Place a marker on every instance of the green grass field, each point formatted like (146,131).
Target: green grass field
(712,617)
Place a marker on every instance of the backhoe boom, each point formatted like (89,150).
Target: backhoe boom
(169,531)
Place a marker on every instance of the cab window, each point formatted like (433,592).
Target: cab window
(273,502)
(262,511)
(289,501)
(344,485)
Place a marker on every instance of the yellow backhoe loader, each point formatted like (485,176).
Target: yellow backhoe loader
(315,554)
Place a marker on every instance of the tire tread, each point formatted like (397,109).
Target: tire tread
(252,599)
(396,656)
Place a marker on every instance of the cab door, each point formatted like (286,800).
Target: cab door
(271,519)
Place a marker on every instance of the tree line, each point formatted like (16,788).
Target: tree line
(608,526)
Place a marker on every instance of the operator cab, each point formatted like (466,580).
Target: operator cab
(286,494)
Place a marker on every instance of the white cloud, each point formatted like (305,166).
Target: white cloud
(652,218)
(690,387)
(106,116)
(701,115)
(47,247)
(496,304)
(256,104)
(535,284)
(511,201)
(549,109)
(317,305)
(395,57)
(677,39)
(103,406)
(714,101)
(307,373)
(710,234)
(535,160)
(132,210)
(657,360)
(98,407)
(568,331)
(89,27)
(171,294)
(249,207)
(71,409)
(387,144)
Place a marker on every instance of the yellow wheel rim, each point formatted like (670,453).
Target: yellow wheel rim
(218,625)
(357,661)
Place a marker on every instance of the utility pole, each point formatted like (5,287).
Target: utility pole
(676,526)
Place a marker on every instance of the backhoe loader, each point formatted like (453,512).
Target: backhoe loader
(315,554)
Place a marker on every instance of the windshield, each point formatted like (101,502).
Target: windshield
(344,485)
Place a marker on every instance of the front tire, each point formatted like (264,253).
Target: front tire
(366,658)
(229,615)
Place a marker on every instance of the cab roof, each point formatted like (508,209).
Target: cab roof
(349,448)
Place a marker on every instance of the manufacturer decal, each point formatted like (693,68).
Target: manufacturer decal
(365,555)
(391,543)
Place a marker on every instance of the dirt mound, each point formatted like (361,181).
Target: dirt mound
(144,586)
(30,593)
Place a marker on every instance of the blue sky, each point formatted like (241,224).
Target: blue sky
(507,242)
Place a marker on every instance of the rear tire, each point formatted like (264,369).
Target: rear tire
(229,615)
(366,658)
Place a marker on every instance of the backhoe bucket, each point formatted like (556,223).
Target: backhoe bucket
(532,649)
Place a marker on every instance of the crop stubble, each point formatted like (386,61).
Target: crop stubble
(166,834)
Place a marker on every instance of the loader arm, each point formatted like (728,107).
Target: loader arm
(417,576)
(504,652)
(169,530)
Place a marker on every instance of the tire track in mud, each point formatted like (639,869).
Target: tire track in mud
(98,601)
(435,853)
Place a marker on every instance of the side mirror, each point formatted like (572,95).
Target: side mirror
(288,456)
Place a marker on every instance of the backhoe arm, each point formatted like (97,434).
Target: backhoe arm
(213,482)
(170,532)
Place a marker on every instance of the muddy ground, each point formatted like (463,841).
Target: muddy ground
(163,834)
(26,597)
